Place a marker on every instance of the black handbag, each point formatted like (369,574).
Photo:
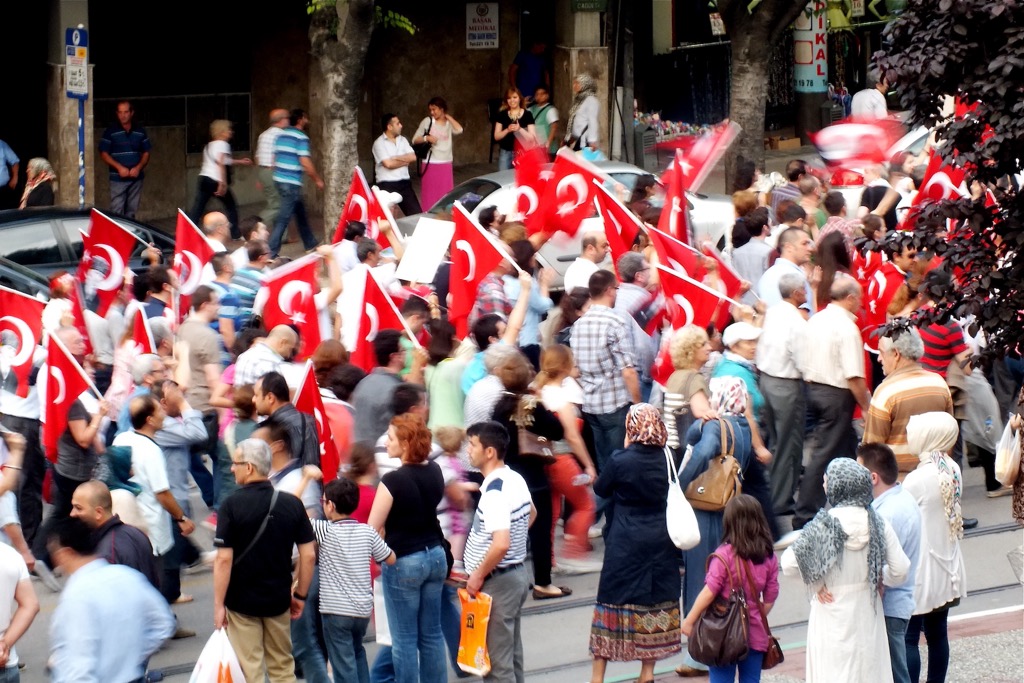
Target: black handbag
(422,149)
(721,635)
(773,656)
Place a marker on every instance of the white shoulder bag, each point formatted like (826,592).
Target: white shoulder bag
(679,516)
(1008,456)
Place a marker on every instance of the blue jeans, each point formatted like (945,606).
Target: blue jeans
(125,196)
(291,203)
(896,629)
(505,158)
(305,648)
(451,625)
(383,670)
(345,647)
(749,668)
(10,674)
(935,634)
(412,596)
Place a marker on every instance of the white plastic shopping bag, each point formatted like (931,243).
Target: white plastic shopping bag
(380,614)
(217,662)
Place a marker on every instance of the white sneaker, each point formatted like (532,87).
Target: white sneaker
(573,567)
(787,540)
(595,532)
(204,563)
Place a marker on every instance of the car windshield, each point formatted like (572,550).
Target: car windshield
(73,228)
(470,193)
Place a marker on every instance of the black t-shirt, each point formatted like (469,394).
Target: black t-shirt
(508,142)
(412,523)
(261,583)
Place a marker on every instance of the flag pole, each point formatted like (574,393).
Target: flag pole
(487,235)
(707,289)
(137,238)
(78,366)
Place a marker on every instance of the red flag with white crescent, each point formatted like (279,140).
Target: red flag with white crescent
(191,253)
(65,381)
(569,195)
(676,254)
(363,204)
(673,216)
(531,180)
(688,301)
(620,224)
(78,314)
(289,301)
(733,283)
(109,242)
(474,254)
(856,142)
(378,312)
(22,315)
(699,160)
(308,401)
(941,181)
(142,334)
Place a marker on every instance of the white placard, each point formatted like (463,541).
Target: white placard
(481,25)
(425,250)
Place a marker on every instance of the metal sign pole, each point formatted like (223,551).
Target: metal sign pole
(76,82)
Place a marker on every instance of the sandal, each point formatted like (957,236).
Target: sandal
(563,591)
(183,598)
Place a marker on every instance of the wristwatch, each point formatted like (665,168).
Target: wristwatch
(180,519)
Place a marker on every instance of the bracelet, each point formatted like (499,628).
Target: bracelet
(301,598)
(181,519)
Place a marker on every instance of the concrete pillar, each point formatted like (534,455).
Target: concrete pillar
(810,73)
(578,50)
(62,117)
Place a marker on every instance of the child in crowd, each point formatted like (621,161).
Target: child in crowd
(455,522)
(362,469)
(746,551)
(346,596)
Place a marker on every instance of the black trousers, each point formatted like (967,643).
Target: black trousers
(33,471)
(832,434)
(410,204)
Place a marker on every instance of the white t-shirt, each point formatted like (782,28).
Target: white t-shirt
(578,273)
(383,148)
(504,504)
(869,103)
(554,398)
(211,158)
(12,571)
(149,470)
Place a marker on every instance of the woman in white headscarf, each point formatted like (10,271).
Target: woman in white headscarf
(936,485)
(582,130)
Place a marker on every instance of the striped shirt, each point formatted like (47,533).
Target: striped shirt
(346,548)
(126,147)
(265,146)
(942,343)
(834,352)
(504,504)
(603,348)
(289,149)
(905,392)
(246,283)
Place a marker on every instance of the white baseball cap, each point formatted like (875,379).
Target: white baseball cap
(739,332)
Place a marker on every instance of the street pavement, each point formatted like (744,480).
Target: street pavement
(986,630)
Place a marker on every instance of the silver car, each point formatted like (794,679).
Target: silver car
(711,216)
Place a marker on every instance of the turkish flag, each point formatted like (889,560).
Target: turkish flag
(569,195)
(108,241)
(65,382)
(675,254)
(531,180)
(22,315)
(191,253)
(620,224)
(78,313)
(474,254)
(699,160)
(941,181)
(673,216)
(857,141)
(289,301)
(662,368)
(733,283)
(363,205)
(377,313)
(142,334)
(689,302)
(308,401)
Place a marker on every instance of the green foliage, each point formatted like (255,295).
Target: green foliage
(973,50)
(383,18)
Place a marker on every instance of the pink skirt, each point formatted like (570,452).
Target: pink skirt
(437,182)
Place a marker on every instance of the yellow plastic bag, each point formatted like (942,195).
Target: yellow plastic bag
(476,612)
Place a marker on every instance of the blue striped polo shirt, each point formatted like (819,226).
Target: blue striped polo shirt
(125,146)
(291,145)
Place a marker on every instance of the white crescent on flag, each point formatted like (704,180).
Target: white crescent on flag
(578,184)
(364,211)
(25,340)
(371,313)
(59,376)
(530,195)
(115,278)
(944,184)
(467,249)
(286,299)
(684,304)
(195,272)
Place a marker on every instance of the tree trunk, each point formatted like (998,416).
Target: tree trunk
(342,58)
(748,94)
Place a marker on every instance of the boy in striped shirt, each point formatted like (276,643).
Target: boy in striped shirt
(346,593)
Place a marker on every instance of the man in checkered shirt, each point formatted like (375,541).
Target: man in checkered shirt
(605,356)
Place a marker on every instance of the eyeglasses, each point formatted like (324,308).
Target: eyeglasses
(240,462)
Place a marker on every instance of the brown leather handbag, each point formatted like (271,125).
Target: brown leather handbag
(721,635)
(773,656)
(720,482)
(530,445)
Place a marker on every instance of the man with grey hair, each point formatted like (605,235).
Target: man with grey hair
(252,573)
(145,370)
(265,158)
(833,369)
(869,103)
(637,305)
(484,394)
(779,357)
(907,390)
(266,355)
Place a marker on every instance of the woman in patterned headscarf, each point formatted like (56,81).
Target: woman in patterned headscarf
(844,557)
(582,130)
(637,612)
(939,582)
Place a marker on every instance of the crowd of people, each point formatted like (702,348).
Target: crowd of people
(461,459)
